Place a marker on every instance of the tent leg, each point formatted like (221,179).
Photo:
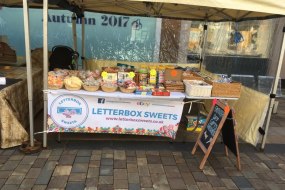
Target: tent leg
(29,70)
(83,43)
(274,90)
(45,61)
(74,36)
(205,35)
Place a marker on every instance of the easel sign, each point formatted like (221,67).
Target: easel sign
(215,122)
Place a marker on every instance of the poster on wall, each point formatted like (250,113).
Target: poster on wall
(90,114)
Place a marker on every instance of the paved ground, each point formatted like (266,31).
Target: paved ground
(146,165)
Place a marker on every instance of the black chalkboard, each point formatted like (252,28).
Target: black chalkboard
(212,125)
(228,133)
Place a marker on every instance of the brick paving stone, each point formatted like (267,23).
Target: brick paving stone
(275,177)
(229,183)
(28,159)
(183,168)
(56,152)
(10,187)
(281,166)
(16,157)
(260,167)
(106,180)
(176,183)
(130,153)
(152,152)
(215,181)
(92,172)
(179,159)
(92,182)
(81,159)
(39,163)
(249,174)
(131,160)
(120,164)
(58,182)
(155,168)
(66,160)
(119,155)
(134,186)
(2,182)
(193,165)
(95,157)
(172,172)
(145,181)
(107,150)
(96,152)
(133,178)
(158,179)
(280,173)
(209,171)
(75,186)
(80,168)
(46,173)
(204,185)
(169,160)
(77,177)
(233,171)
(222,173)
(241,182)
(219,188)
(146,188)
(107,162)
(15,180)
(84,153)
(200,177)
(3,159)
(262,156)
(225,162)
(107,156)
(161,187)
(175,153)
(27,183)
(120,174)
(141,161)
(257,183)
(153,159)
(54,158)
(69,152)
(39,187)
(94,163)
(33,173)
(45,154)
(121,184)
(22,169)
(188,178)
(106,171)
(8,152)
(143,171)
(192,187)
(274,186)
(10,165)
(62,170)
(132,168)
(5,174)
(140,154)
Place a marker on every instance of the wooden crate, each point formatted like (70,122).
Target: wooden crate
(190,75)
(231,90)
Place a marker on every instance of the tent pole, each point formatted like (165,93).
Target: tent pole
(274,90)
(45,61)
(29,70)
(205,35)
(83,43)
(74,35)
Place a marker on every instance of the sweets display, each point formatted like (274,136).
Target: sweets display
(72,83)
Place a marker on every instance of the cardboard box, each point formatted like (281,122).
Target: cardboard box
(173,74)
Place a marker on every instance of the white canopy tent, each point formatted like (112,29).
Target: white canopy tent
(206,10)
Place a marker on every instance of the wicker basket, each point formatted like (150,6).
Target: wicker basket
(126,90)
(197,88)
(231,90)
(72,88)
(55,87)
(91,88)
(108,89)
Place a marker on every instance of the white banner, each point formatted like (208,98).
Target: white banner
(85,113)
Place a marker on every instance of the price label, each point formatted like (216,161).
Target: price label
(2,80)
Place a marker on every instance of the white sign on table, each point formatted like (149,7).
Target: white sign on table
(91,114)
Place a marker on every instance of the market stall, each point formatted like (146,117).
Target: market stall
(209,11)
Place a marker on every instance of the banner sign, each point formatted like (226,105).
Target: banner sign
(90,114)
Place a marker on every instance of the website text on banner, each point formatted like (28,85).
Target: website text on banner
(89,114)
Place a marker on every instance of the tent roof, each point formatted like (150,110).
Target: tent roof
(210,10)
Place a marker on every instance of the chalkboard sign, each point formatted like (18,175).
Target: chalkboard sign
(230,138)
(212,126)
(211,129)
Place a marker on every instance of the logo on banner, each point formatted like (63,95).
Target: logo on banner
(69,111)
